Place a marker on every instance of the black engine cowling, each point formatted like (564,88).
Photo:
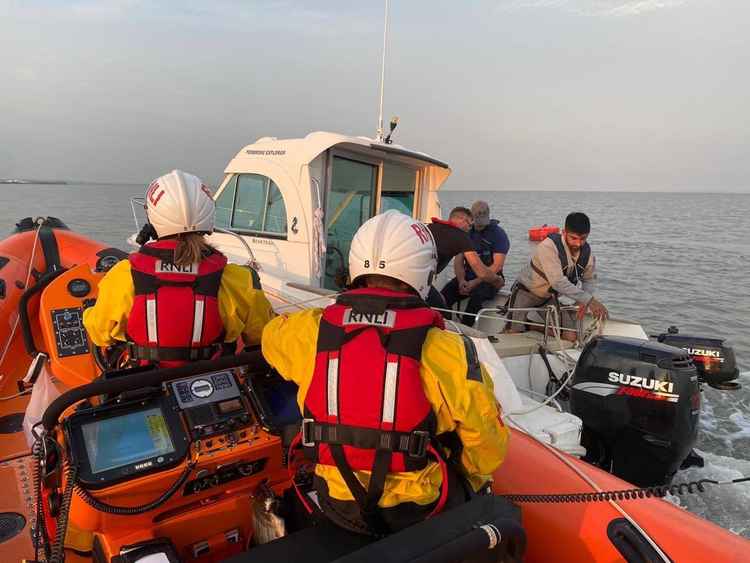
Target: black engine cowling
(713,359)
(639,401)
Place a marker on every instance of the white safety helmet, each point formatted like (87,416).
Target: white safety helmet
(179,202)
(395,245)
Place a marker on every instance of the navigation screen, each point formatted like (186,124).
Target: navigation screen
(126,439)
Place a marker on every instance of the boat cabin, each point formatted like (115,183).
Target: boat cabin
(298,202)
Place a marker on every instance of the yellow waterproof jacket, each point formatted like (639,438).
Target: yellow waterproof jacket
(461,404)
(243,307)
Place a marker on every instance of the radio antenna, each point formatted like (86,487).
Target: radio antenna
(379,136)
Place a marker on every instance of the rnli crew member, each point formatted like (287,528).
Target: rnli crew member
(491,244)
(379,379)
(560,263)
(451,239)
(176,299)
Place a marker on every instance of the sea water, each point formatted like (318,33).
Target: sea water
(662,259)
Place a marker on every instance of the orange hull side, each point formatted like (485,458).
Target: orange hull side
(18,248)
(73,248)
(577,532)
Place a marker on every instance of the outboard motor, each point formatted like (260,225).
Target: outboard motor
(639,401)
(713,359)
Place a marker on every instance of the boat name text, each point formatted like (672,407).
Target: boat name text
(265,152)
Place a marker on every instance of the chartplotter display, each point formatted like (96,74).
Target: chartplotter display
(128,439)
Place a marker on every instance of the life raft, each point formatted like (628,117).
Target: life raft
(537,234)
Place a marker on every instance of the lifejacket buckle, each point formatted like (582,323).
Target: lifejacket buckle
(418,442)
(306,431)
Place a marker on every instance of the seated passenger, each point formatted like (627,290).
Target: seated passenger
(176,299)
(452,239)
(379,378)
(491,244)
(560,263)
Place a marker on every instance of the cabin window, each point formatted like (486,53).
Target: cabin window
(225,203)
(252,203)
(397,190)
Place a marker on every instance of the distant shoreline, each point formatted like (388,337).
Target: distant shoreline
(39,182)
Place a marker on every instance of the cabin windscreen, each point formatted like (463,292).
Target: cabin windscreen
(398,185)
(350,202)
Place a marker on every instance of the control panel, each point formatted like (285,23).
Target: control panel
(212,403)
(225,474)
(70,336)
(65,341)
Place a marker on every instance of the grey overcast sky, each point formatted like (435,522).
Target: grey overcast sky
(514,94)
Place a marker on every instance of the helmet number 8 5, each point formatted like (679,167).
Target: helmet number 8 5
(381,264)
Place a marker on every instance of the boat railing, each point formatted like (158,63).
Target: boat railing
(551,325)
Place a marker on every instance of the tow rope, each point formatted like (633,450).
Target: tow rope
(659,491)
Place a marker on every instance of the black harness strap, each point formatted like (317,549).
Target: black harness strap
(146,284)
(414,443)
(362,496)
(49,248)
(378,304)
(474,370)
(172,354)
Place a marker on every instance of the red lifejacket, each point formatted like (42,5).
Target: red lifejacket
(175,315)
(365,408)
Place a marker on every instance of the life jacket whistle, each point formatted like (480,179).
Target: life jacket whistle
(175,314)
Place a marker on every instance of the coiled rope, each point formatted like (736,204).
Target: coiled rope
(659,491)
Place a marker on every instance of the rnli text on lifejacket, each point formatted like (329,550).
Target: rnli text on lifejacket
(386,318)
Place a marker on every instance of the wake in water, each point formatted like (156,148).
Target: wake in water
(724,422)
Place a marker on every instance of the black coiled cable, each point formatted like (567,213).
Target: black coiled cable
(659,491)
(58,548)
(41,536)
(101,506)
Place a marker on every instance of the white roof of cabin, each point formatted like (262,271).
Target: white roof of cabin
(292,154)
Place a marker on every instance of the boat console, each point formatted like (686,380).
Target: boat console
(161,450)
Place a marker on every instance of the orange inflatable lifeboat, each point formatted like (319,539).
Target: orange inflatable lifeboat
(537,234)
(185,464)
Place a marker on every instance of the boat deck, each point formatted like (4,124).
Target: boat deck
(525,343)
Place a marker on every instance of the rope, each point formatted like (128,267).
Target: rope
(660,491)
(502,317)
(38,222)
(9,397)
(291,304)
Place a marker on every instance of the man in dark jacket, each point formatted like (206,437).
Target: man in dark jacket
(452,239)
(491,244)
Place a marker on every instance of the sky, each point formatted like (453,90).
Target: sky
(514,94)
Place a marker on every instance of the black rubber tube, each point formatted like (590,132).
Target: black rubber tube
(148,378)
(23,309)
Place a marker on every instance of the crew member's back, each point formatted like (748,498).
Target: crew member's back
(379,379)
(176,299)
